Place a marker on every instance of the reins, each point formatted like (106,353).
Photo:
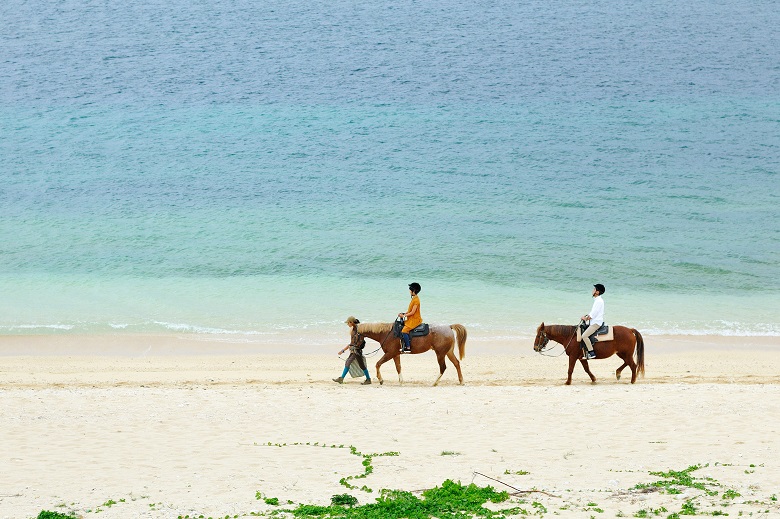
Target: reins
(565,348)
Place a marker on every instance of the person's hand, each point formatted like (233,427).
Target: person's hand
(401,315)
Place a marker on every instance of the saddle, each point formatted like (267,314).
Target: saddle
(420,331)
(603,334)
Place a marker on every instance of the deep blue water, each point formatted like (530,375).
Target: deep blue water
(236,166)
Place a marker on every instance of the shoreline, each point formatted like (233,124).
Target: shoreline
(191,344)
(186,361)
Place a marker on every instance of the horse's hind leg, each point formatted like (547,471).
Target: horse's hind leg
(632,365)
(456,363)
(442,366)
(621,368)
(587,370)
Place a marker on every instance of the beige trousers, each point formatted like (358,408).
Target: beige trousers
(590,330)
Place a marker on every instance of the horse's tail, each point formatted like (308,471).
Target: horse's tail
(640,352)
(461,335)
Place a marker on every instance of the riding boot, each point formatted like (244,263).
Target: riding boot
(407,343)
(339,380)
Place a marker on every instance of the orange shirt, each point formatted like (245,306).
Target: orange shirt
(413,320)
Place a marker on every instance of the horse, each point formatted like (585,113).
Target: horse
(441,339)
(624,343)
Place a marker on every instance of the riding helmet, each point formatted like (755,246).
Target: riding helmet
(600,288)
(415,287)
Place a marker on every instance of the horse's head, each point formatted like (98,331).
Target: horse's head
(541,338)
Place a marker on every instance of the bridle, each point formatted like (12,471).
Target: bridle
(541,349)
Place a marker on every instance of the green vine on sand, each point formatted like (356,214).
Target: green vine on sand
(368,467)
(449,501)
(675,479)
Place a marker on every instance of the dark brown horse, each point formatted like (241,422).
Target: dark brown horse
(441,339)
(624,343)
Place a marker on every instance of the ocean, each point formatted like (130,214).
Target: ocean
(264,170)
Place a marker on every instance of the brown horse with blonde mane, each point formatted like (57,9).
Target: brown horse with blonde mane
(623,345)
(441,339)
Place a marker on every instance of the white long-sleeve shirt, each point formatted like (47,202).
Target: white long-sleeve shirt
(597,312)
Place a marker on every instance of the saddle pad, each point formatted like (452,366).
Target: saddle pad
(599,336)
(420,331)
(609,336)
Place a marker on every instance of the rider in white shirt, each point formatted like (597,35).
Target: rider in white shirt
(596,318)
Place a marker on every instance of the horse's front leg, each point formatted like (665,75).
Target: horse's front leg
(572,362)
(397,360)
(587,370)
(385,358)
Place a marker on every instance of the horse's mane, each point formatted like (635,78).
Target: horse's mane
(374,327)
(558,329)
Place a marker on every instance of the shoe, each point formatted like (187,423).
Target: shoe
(367,382)
(590,355)
(339,380)
(404,350)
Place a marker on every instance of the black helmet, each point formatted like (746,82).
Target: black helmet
(415,287)
(600,288)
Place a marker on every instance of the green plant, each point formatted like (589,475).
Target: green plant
(731,494)
(674,479)
(343,500)
(368,467)
(539,507)
(688,508)
(450,453)
(449,501)
(46,514)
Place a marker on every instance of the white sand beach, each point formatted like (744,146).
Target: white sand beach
(100,424)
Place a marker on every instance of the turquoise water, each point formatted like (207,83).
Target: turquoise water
(263,170)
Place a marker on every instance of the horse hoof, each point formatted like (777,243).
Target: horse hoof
(617,376)
(381,382)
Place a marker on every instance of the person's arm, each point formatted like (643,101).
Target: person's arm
(413,310)
(592,308)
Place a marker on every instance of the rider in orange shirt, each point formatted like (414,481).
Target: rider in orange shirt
(412,318)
